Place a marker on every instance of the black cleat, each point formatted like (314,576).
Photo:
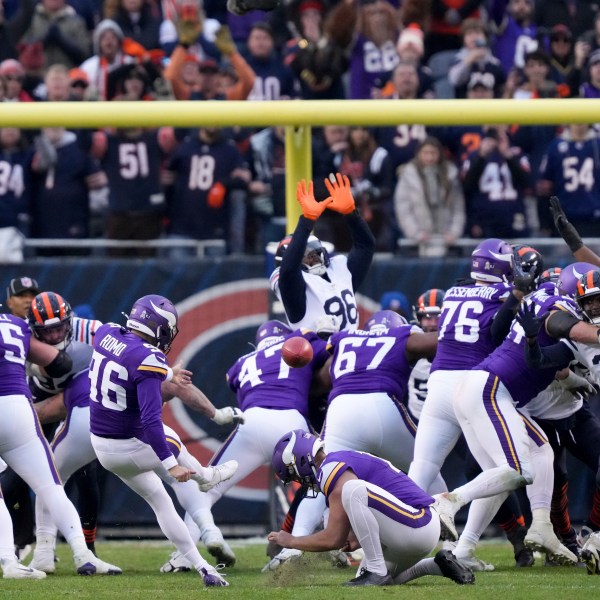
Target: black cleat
(368,578)
(523,555)
(452,568)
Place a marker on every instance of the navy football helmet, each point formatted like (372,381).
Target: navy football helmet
(313,245)
(588,287)
(270,333)
(429,305)
(570,275)
(155,316)
(294,457)
(51,319)
(491,261)
(384,319)
(550,275)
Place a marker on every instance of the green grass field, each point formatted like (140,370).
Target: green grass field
(310,577)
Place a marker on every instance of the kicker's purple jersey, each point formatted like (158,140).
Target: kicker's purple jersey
(262,378)
(77,391)
(15,338)
(464,337)
(366,361)
(508,363)
(126,374)
(373,470)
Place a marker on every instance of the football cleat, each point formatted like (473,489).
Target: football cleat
(523,556)
(590,553)
(368,578)
(541,538)
(220,549)
(473,563)
(446,509)
(14,570)
(219,473)
(212,579)
(88,564)
(584,535)
(43,561)
(177,564)
(452,568)
(286,555)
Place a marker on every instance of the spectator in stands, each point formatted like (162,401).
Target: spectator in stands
(207,176)
(576,16)
(374,27)
(591,87)
(571,170)
(410,48)
(79,84)
(371,174)
(474,57)
(447,17)
(61,177)
(316,53)
(562,59)
(11,30)
(57,35)
(398,302)
(128,82)
(198,79)
(401,141)
(13,75)
(138,20)
(495,178)
(13,205)
(132,159)
(108,55)
(274,80)
(515,32)
(591,38)
(535,82)
(429,201)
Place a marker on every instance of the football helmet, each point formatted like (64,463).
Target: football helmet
(384,319)
(550,275)
(531,260)
(270,333)
(429,304)
(51,319)
(570,275)
(155,316)
(294,457)
(313,245)
(588,287)
(491,261)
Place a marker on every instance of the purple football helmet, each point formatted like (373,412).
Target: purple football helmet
(570,275)
(491,261)
(294,457)
(155,316)
(384,319)
(270,332)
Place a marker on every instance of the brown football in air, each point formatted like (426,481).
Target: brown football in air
(297,352)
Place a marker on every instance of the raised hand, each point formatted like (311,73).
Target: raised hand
(528,320)
(522,280)
(338,186)
(311,209)
(566,229)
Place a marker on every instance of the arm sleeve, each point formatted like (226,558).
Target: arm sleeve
(557,356)
(363,248)
(150,402)
(292,286)
(560,323)
(503,319)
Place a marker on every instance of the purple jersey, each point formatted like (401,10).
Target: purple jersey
(126,374)
(371,66)
(15,338)
(464,334)
(381,473)
(262,378)
(508,363)
(77,391)
(366,361)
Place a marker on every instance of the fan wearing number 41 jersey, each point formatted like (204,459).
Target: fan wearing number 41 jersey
(308,281)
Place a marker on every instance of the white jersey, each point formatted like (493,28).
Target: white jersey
(417,387)
(334,297)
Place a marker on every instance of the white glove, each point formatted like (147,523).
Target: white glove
(229,414)
(326,326)
(577,383)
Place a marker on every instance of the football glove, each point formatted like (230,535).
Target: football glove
(216,195)
(229,414)
(341,194)
(566,230)
(224,42)
(522,280)
(528,320)
(311,209)
(189,25)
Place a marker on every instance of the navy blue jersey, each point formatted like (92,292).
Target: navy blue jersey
(198,166)
(274,80)
(401,141)
(133,170)
(573,168)
(12,187)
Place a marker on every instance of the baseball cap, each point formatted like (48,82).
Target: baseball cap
(20,285)
(486,80)
(560,30)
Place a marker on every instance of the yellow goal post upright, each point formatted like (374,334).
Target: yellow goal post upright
(298,117)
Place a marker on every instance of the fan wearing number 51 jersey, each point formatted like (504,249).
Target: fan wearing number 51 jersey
(308,281)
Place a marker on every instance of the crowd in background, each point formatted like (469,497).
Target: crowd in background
(427,185)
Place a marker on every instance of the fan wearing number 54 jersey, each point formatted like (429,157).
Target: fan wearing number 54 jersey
(309,282)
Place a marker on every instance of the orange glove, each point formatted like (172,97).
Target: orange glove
(216,195)
(341,195)
(311,209)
